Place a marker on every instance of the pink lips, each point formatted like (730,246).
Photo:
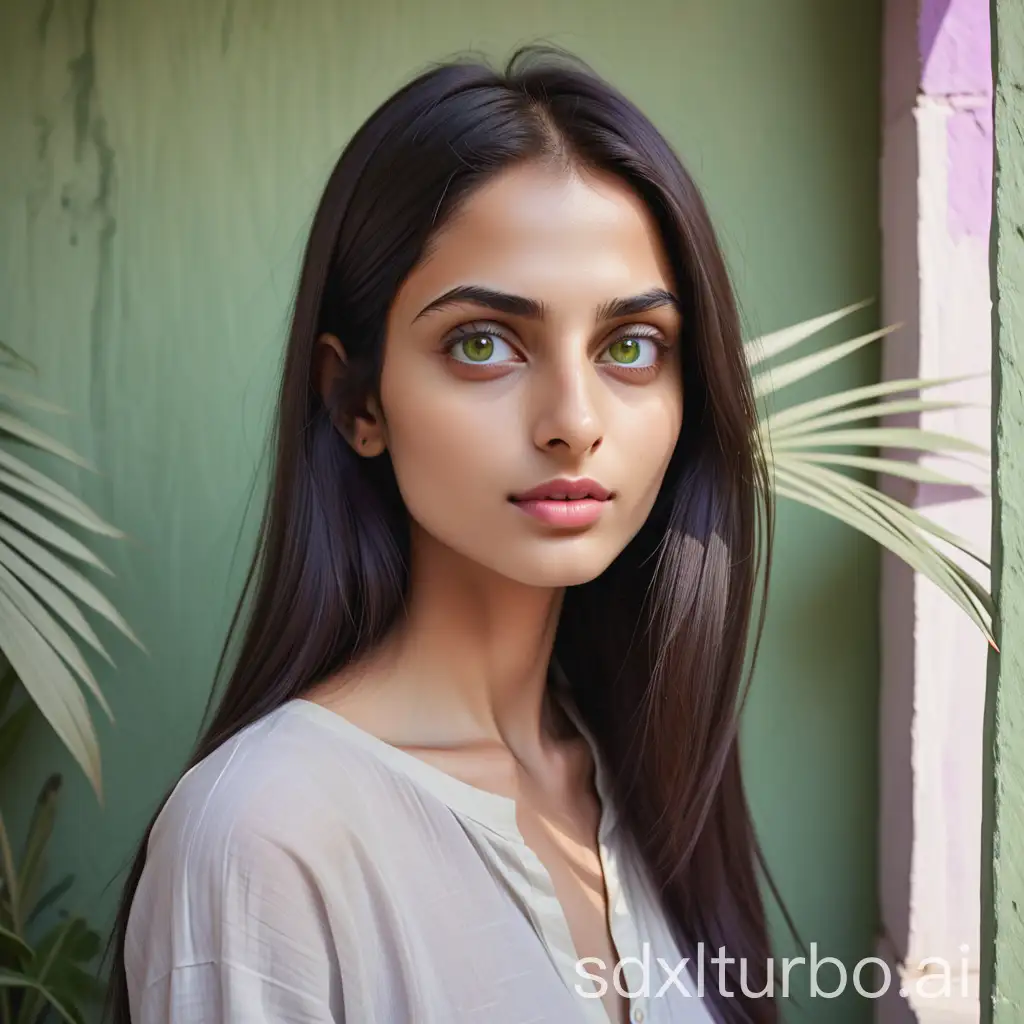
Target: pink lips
(564,502)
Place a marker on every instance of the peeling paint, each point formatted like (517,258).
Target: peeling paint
(93,201)
(44,129)
(42,182)
(83,79)
(105,156)
(101,297)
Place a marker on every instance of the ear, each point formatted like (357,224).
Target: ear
(363,430)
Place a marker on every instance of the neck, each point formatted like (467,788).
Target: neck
(469,661)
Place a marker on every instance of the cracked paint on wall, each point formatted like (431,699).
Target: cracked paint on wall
(90,132)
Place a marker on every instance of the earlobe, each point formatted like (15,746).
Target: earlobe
(363,430)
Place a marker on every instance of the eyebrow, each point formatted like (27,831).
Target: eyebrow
(532,309)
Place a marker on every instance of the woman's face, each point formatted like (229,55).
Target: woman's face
(531,390)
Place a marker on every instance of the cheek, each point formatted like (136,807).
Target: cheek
(444,442)
(647,438)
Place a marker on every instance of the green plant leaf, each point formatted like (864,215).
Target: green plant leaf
(51,685)
(818,475)
(790,437)
(886,467)
(8,681)
(15,360)
(82,943)
(878,437)
(80,985)
(44,966)
(874,411)
(849,505)
(12,731)
(30,401)
(52,596)
(41,480)
(50,947)
(74,511)
(14,979)
(926,525)
(893,531)
(13,946)
(773,380)
(817,406)
(59,959)
(37,439)
(76,988)
(51,631)
(11,894)
(30,520)
(69,578)
(49,898)
(916,557)
(768,346)
(40,830)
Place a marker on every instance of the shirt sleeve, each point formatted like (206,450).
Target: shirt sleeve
(240,934)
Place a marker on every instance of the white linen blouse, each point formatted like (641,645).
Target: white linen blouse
(308,872)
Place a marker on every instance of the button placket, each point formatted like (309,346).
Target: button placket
(624,934)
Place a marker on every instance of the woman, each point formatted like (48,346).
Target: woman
(477,759)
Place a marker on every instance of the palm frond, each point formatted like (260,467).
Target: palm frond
(771,381)
(51,685)
(796,441)
(912,438)
(859,413)
(42,595)
(818,406)
(768,346)
(16,427)
(885,467)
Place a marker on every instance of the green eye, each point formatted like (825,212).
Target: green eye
(637,351)
(478,349)
(625,350)
(482,348)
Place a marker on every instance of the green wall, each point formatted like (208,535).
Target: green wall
(1002,980)
(160,165)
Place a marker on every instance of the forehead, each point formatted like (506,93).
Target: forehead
(547,233)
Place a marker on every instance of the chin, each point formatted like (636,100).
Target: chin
(567,563)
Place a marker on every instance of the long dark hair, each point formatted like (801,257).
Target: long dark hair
(655,648)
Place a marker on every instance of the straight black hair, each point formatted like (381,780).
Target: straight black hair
(654,649)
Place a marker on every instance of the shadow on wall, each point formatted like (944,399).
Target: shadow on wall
(933,13)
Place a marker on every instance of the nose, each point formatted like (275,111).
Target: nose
(567,415)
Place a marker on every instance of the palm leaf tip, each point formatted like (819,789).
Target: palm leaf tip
(797,442)
(768,346)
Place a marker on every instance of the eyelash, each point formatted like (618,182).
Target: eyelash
(487,329)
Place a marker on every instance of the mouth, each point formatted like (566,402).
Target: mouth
(565,503)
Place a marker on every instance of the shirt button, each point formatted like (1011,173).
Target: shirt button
(638,1016)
